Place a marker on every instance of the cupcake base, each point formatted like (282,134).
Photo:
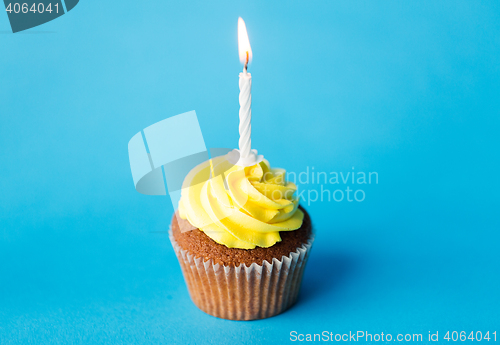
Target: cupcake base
(243,292)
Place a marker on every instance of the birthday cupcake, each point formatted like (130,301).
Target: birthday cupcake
(241,238)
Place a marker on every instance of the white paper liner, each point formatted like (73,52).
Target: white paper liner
(244,293)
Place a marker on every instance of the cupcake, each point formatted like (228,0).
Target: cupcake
(241,239)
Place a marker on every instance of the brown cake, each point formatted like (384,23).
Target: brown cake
(202,246)
(241,238)
(242,284)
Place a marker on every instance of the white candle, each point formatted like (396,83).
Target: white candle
(245,156)
(245,52)
(245,142)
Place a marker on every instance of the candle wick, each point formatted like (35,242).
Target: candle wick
(246,62)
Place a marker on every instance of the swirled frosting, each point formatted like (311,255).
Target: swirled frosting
(240,207)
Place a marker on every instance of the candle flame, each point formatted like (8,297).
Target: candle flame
(244,48)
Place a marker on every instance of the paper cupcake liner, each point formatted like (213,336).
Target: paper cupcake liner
(244,293)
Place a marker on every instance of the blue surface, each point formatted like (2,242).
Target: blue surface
(407,89)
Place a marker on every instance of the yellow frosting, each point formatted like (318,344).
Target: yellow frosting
(240,207)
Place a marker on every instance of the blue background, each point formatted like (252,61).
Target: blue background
(409,89)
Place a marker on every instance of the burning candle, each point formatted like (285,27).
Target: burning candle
(247,156)
(245,98)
